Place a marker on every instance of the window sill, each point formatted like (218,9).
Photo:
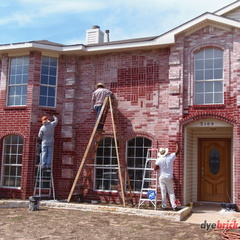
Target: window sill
(106,191)
(15,108)
(47,108)
(209,106)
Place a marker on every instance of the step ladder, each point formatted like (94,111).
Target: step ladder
(90,153)
(44,184)
(150,180)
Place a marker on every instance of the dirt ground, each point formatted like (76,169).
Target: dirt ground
(49,223)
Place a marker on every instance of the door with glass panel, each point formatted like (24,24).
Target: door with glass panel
(214,175)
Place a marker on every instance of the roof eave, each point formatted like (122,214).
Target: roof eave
(164,40)
(207,17)
(227,8)
(167,39)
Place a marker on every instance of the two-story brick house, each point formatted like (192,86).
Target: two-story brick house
(182,85)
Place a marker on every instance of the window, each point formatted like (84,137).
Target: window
(12,161)
(18,81)
(106,165)
(48,82)
(209,76)
(136,158)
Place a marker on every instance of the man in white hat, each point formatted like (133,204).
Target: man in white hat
(164,163)
(98,97)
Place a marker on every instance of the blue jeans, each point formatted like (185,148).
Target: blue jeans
(47,152)
(98,110)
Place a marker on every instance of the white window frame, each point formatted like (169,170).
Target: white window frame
(18,81)
(12,161)
(106,167)
(49,75)
(136,159)
(208,77)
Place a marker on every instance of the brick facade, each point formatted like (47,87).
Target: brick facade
(154,90)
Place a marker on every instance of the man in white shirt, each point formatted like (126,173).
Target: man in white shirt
(98,97)
(164,163)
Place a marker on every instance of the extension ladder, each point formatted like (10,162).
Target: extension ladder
(90,152)
(44,184)
(150,180)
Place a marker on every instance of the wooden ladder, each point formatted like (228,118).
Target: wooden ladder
(93,145)
(115,121)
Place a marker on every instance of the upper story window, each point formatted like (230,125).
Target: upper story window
(12,161)
(18,81)
(209,76)
(48,82)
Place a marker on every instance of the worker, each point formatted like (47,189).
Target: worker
(164,163)
(98,97)
(46,133)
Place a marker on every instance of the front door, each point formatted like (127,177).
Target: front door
(214,170)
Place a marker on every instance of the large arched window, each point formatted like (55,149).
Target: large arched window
(12,161)
(106,166)
(136,158)
(208,76)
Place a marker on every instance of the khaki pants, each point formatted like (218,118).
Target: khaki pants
(166,185)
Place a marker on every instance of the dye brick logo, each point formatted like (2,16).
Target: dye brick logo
(229,224)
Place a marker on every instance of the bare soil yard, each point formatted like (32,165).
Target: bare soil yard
(49,223)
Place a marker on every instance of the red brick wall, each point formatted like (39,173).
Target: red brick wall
(154,93)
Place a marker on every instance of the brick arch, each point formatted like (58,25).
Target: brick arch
(203,46)
(11,133)
(204,115)
(141,134)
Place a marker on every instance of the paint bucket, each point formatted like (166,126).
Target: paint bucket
(34,203)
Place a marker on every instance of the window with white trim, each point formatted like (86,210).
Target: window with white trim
(12,161)
(48,82)
(208,76)
(106,166)
(18,81)
(136,159)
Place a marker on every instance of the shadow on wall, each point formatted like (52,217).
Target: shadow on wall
(178,188)
(125,125)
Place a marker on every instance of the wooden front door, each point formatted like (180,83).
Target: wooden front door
(214,175)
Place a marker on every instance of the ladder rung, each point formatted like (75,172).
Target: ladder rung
(146,199)
(148,189)
(43,195)
(77,193)
(145,179)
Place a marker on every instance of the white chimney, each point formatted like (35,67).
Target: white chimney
(94,35)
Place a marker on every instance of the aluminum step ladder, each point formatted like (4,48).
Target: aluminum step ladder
(150,180)
(44,183)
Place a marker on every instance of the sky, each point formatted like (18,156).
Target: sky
(66,21)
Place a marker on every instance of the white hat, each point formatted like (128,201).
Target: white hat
(162,152)
(99,84)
